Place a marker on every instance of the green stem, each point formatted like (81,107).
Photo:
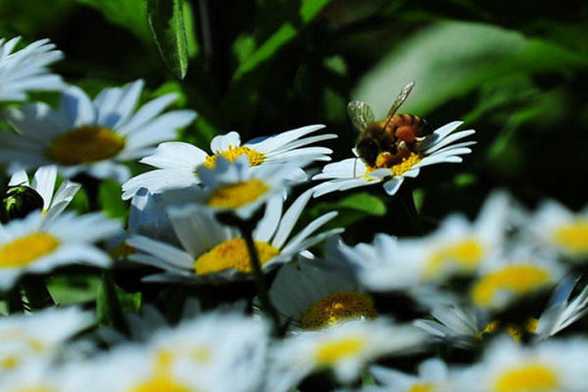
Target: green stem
(262,291)
(407,198)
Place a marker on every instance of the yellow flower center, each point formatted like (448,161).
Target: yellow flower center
(27,249)
(232,254)
(238,194)
(255,158)
(331,352)
(10,362)
(84,145)
(345,305)
(573,237)
(516,279)
(463,255)
(35,389)
(160,383)
(528,378)
(422,387)
(406,164)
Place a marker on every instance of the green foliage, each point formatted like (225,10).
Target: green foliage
(351,209)
(110,201)
(130,14)
(167,23)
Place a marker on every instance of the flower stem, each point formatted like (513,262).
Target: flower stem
(262,292)
(407,198)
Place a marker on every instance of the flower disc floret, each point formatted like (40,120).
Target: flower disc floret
(232,254)
(337,307)
(27,249)
(534,377)
(238,194)
(231,154)
(85,145)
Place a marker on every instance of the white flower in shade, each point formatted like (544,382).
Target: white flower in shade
(37,376)
(37,245)
(458,325)
(26,69)
(556,228)
(439,147)
(176,162)
(237,187)
(551,366)
(512,277)
(92,137)
(43,182)
(212,250)
(433,376)
(561,312)
(314,294)
(457,247)
(345,348)
(37,338)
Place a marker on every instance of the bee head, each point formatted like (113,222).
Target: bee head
(368,150)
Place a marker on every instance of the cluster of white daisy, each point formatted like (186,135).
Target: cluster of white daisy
(472,306)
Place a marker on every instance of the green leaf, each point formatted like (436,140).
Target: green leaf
(364,202)
(351,209)
(130,14)
(450,59)
(309,10)
(110,201)
(166,20)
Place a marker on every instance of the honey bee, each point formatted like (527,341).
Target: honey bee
(382,144)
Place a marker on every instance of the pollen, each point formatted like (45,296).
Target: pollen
(232,254)
(341,306)
(231,154)
(238,194)
(533,377)
(517,279)
(406,164)
(334,351)
(422,387)
(27,249)
(573,237)
(85,145)
(462,255)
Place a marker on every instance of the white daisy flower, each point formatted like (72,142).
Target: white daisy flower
(26,69)
(561,311)
(37,376)
(176,162)
(93,137)
(556,228)
(551,366)
(37,245)
(237,187)
(439,147)
(314,294)
(37,338)
(457,247)
(43,183)
(433,376)
(212,250)
(345,348)
(512,277)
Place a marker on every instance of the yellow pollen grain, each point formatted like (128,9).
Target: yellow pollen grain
(333,351)
(337,307)
(422,387)
(518,279)
(238,194)
(528,378)
(573,237)
(232,254)
(464,255)
(406,164)
(231,154)
(27,249)
(85,145)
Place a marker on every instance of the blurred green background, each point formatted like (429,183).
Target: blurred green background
(516,71)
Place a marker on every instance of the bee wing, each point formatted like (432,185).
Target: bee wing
(361,114)
(404,93)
